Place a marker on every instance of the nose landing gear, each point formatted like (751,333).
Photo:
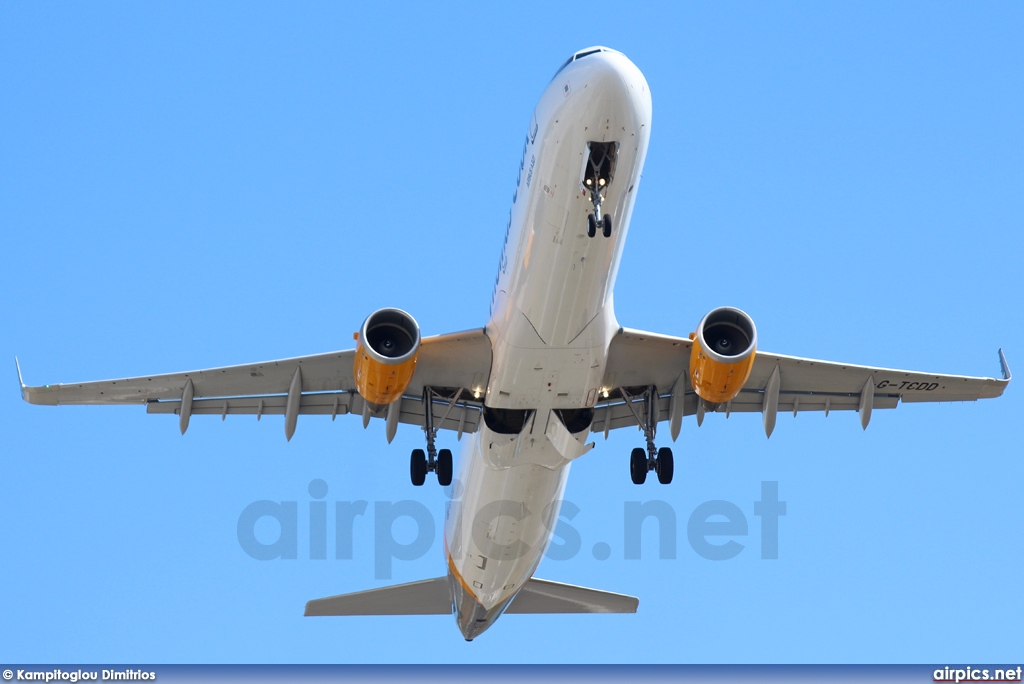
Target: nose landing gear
(605,223)
(597,176)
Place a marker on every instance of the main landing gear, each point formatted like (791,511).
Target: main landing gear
(643,460)
(597,176)
(420,465)
(433,460)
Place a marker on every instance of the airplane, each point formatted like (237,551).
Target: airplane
(551,365)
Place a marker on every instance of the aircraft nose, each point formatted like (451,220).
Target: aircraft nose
(609,82)
(613,72)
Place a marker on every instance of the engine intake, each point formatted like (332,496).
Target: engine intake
(389,344)
(722,355)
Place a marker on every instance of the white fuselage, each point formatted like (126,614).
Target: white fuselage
(551,323)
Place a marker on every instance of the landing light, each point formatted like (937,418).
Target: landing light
(604,392)
(601,182)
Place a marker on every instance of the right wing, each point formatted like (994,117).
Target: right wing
(777,382)
(454,366)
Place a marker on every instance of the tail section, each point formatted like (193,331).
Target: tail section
(544,596)
(434,597)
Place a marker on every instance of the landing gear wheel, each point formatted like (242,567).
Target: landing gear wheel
(638,466)
(444,467)
(591,225)
(606,225)
(664,465)
(418,467)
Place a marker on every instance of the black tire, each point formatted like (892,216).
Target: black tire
(418,467)
(606,225)
(665,465)
(638,466)
(444,467)
(591,225)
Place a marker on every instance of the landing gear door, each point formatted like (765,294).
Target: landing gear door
(599,166)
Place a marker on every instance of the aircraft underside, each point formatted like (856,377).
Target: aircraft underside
(551,366)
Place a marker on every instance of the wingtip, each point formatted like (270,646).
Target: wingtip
(1004,367)
(21,382)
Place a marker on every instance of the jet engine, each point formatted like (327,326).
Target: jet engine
(389,343)
(722,355)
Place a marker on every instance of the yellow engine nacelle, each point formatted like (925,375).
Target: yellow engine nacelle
(722,355)
(389,343)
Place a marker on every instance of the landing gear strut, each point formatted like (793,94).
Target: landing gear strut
(597,176)
(434,460)
(641,460)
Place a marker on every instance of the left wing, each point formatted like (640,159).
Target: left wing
(452,366)
(637,360)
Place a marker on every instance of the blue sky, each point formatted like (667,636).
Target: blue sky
(194,185)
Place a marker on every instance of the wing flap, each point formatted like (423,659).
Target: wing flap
(620,416)
(462,416)
(752,401)
(748,401)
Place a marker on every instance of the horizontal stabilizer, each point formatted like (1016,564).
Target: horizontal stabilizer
(543,596)
(433,597)
(426,597)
